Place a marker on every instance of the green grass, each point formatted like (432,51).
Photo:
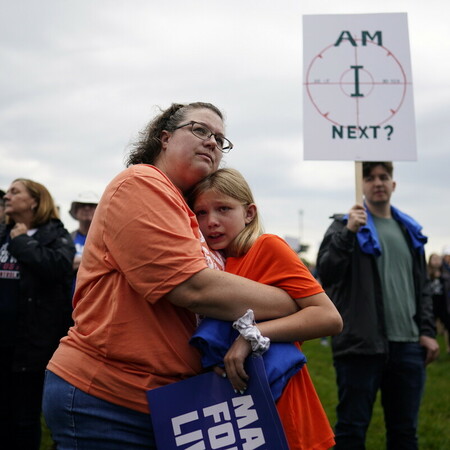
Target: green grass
(434,421)
(46,441)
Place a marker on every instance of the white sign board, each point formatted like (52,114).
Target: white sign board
(358,95)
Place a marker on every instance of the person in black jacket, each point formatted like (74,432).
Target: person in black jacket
(36,254)
(2,207)
(372,265)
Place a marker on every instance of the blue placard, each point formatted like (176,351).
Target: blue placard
(204,412)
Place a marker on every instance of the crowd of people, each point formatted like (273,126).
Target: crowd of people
(93,319)
(439,275)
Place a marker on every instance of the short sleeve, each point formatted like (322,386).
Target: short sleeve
(149,232)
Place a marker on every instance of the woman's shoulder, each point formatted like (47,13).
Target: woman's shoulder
(52,224)
(141,175)
(143,170)
(52,229)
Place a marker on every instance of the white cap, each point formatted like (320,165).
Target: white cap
(84,198)
(446,250)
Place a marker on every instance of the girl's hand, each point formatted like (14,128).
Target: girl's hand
(234,364)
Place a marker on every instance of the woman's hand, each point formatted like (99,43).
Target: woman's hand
(234,364)
(18,229)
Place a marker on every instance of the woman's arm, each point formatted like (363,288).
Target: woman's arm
(151,239)
(225,296)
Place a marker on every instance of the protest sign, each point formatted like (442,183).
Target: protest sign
(204,412)
(358,94)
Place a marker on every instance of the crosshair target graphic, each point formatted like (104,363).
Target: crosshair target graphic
(368,81)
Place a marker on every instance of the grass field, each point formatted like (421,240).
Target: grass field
(434,424)
(434,421)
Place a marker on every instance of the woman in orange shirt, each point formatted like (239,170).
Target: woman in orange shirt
(142,279)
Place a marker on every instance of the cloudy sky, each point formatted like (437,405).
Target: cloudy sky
(80,78)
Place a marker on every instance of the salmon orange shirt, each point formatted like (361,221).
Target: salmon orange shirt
(128,338)
(271,261)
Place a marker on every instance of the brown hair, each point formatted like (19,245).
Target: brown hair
(230,182)
(148,147)
(433,271)
(46,208)
(368,166)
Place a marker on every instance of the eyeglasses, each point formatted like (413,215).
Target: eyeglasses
(199,130)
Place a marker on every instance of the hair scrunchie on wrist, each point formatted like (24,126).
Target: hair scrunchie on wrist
(250,332)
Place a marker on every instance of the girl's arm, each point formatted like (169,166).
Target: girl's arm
(317,317)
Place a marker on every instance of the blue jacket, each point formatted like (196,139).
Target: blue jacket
(283,360)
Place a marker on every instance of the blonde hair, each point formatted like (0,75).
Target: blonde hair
(230,182)
(46,208)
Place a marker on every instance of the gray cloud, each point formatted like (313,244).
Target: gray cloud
(79,79)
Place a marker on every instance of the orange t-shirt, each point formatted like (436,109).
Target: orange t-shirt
(271,261)
(127,338)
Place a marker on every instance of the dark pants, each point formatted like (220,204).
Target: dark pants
(20,406)
(400,377)
(442,312)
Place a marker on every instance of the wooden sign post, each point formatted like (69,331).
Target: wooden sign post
(358,182)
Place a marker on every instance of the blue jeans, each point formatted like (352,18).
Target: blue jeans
(79,421)
(400,376)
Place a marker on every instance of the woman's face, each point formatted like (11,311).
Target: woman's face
(185,158)
(435,260)
(18,202)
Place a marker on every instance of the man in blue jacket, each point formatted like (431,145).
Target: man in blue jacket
(372,264)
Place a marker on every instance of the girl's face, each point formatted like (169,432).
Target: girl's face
(221,218)
(185,158)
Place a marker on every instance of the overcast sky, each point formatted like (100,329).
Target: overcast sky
(80,78)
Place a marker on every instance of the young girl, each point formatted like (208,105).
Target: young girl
(229,221)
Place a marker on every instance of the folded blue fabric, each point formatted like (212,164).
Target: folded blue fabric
(283,359)
(368,237)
